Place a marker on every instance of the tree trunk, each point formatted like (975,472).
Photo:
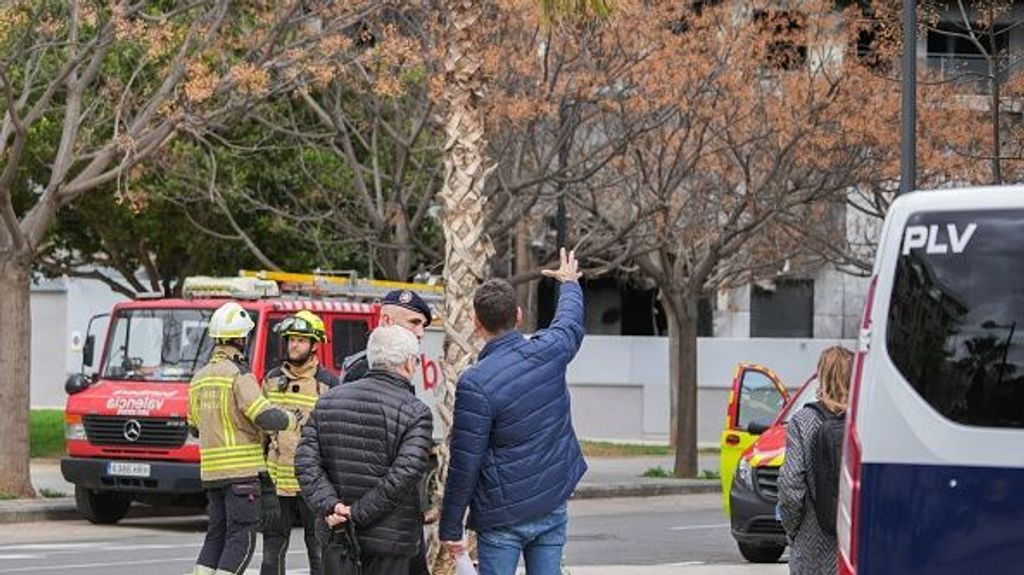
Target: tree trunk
(682,337)
(467,247)
(526,292)
(15,351)
(404,249)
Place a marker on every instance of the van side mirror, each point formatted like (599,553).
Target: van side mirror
(88,349)
(76,383)
(758,427)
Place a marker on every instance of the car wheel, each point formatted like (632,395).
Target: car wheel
(761,553)
(102,508)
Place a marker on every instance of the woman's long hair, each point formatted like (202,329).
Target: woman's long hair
(834,368)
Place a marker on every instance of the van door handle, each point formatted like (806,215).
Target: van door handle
(732,439)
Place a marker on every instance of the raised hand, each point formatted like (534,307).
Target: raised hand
(568,269)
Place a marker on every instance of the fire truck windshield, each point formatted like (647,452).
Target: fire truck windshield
(157,344)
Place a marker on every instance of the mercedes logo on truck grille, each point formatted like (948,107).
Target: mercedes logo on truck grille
(132,430)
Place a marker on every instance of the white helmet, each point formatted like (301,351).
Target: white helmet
(230,321)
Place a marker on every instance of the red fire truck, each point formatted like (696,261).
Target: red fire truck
(127,438)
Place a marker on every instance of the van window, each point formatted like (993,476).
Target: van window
(956,320)
(348,336)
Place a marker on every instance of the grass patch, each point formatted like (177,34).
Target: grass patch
(709,474)
(46,433)
(4,496)
(609,449)
(613,449)
(658,472)
(51,494)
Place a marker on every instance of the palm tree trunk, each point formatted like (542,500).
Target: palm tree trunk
(467,247)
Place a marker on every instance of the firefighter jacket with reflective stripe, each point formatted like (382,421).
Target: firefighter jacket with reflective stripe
(296,389)
(225,401)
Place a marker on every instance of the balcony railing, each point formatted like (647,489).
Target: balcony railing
(969,71)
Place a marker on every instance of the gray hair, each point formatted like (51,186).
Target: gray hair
(390,347)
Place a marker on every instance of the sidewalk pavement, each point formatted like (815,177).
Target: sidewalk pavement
(623,477)
(46,476)
(606,477)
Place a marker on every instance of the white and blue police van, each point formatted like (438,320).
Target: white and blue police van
(933,462)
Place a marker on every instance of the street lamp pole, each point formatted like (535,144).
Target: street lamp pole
(564,118)
(908,140)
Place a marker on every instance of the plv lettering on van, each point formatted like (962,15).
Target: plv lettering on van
(936,240)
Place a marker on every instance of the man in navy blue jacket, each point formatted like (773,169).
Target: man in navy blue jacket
(515,459)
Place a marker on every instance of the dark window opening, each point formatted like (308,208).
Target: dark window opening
(783,308)
(787,47)
(683,24)
(636,311)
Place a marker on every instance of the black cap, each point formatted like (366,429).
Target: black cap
(409,300)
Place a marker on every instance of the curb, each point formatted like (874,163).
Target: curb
(647,489)
(37,510)
(63,508)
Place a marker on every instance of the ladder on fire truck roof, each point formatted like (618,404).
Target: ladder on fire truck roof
(349,285)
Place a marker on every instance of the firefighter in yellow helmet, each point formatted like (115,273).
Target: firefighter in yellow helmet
(297,384)
(230,415)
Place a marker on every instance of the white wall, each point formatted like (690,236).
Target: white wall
(86,299)
(61,309)
(620,385)
(48,365)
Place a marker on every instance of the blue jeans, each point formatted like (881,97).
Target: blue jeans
(540,541)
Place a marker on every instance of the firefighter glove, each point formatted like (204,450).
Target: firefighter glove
(270,506)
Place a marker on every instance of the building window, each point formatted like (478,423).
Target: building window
(618,308)
(956,56)
(783,308)
(787,44)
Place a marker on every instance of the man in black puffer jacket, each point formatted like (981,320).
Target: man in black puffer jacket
(362,455)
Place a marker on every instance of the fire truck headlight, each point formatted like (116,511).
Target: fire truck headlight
(74,432)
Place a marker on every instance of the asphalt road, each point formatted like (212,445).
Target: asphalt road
(677,530)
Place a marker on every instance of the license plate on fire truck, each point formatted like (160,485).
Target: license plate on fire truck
(128,469)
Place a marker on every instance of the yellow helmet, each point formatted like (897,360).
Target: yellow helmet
(230,321)
(303,324)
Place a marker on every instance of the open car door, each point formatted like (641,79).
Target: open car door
(756,399)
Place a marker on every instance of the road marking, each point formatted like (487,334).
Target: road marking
(93,565)
(686,564)
(2,557)
(124,547)
(48,546)
(698,527)
(53,550)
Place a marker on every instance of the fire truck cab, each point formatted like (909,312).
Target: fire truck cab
(127,438)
